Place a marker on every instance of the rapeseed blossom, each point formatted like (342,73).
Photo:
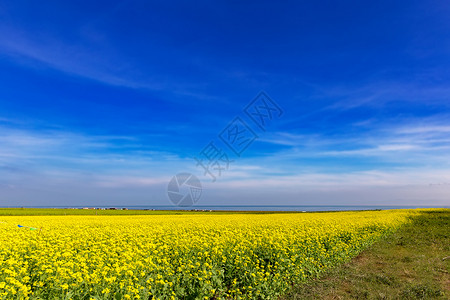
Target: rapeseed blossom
(238,256)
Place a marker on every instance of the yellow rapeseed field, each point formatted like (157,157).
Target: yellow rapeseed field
(237,256)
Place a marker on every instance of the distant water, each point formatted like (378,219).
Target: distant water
(257,207)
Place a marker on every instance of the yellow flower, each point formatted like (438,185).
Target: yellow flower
(156,254)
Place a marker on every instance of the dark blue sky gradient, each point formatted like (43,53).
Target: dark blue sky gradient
(100,96)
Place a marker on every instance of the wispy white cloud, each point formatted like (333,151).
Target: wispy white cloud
(92,61)
(64,150)
(98,59)
(429,129)
(130,181)
(407,140)
(424,186)
(379,93)
(310,180)
(139,178)
(290,139)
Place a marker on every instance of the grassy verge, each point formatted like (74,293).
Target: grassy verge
(412,263)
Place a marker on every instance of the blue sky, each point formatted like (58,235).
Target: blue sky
(102,103)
